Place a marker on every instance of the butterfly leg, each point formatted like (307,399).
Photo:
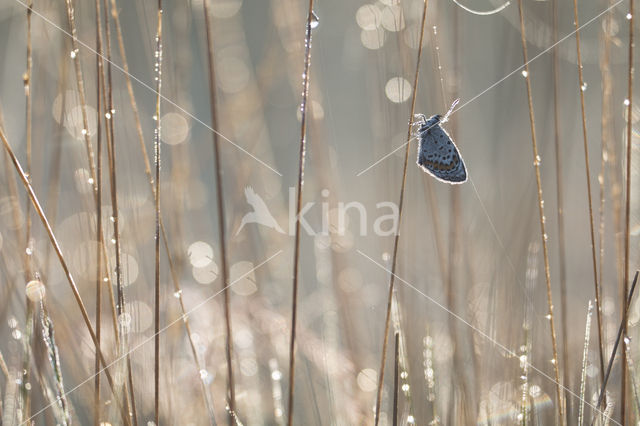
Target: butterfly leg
(421,119)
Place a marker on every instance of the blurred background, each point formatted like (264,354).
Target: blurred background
(470,301)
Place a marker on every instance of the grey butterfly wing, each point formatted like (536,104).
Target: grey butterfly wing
(439,156)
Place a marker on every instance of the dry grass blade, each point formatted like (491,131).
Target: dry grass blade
(221,215)
(115,216)
(63,263)
(581,89)
(396,379)
(623,324)
(156,145)
(296,248)
(543,232)
(627,215)
(165,241)
(99,233)
(387,322)
(27,81)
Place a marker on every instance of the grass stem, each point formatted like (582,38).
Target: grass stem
(545,249)
(296,248)
(385,337)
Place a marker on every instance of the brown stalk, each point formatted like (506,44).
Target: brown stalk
(147,164)
(588,178)
(221,216)
(627,213)
(603,388)
(296,247)
(396,379)
(536,163)
(87,138)
(27,77)
(115,213)
(156,144)
(560,202)
(99,71)
(385,340)
(63,263)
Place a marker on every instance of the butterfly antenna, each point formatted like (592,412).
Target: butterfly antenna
(446,116)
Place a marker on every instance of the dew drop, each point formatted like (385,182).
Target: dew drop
(525,73)
(35,290)
(629,16)
(626,102)
(583,87)
(315,21)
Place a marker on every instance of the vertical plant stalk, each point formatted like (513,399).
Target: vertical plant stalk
(605,133)
(30,311)
(603,388)
(87,138)
(65,267)
(156,146)
(545,249)
(54,360)
(627,213)
(115,214)
(100,239)
(581,89)
(560,205)
(396,378)
(221,216)
(296,249)
(81,91)
(147,166)
(583,374)
(27,80)
(387,322)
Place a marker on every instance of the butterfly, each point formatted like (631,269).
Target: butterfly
(437,154)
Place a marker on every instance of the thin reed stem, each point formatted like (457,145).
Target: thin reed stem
(87,140)
(28,84)
(65,267)
(560,208)
(156,145)
(27,81)
(396,379)
(603,388)
(221,215)
(296,248)
(627,214)
(583,374)
(387,322)
(99,233)
(150,178)
(581,88)
(545,249)
(115,213)
(80,84)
